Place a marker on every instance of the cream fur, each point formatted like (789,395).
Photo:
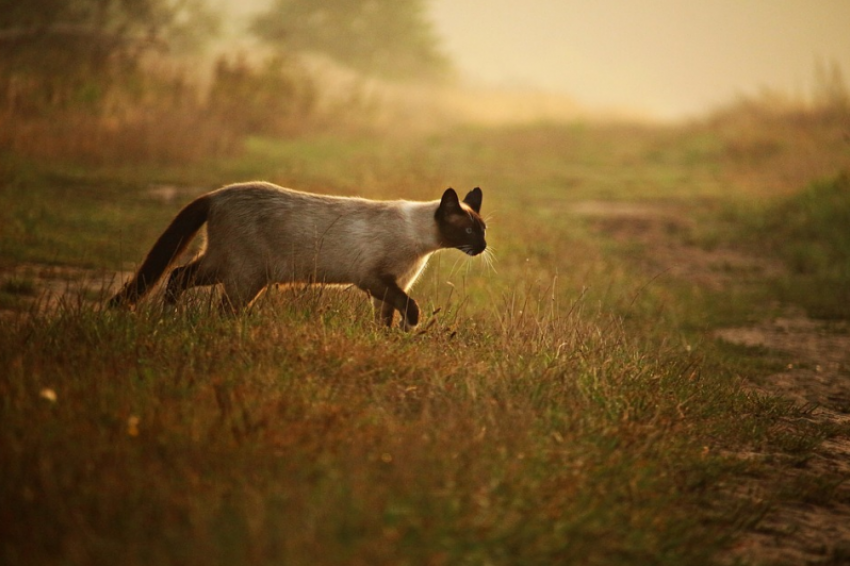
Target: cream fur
(259,234)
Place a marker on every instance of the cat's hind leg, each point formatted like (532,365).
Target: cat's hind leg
(238,294)
(193,274)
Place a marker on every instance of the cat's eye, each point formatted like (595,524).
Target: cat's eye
(469,230)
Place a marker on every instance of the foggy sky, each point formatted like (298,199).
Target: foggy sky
(669,58)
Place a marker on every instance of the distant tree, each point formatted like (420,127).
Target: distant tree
(391,38)
(67,51)
(53,34)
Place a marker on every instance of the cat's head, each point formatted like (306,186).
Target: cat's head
(459,222)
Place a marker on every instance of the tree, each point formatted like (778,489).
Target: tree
(65,35)
(390,38)
(57,52)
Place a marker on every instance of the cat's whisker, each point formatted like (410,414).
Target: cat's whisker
(489,258)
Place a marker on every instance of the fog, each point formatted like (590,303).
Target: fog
(538,59)
(660,58)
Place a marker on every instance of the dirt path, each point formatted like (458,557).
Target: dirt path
(41,286)
(817,376)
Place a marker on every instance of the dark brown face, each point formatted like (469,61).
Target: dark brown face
(460,224)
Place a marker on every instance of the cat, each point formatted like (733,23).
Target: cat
(260,234)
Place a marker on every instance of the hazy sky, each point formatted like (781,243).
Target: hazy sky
(671,58)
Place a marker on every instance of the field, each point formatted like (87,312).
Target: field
(652,371)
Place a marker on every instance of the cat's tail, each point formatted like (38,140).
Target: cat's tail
(167,248)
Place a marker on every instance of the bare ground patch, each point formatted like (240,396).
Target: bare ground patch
(817,375)
(169,194)
(820,371)
(814,531)
(659,230)
(41,286)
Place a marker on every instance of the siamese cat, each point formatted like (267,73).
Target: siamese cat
(260,234)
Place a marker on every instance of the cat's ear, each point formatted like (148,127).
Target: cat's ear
(449,203)
(473,199)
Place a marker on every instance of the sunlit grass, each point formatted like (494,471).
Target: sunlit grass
(523,433)
(559,405)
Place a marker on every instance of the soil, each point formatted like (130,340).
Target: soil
(816,376)
(41,286)
(816,356)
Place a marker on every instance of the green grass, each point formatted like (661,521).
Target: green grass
(807,233)
(811,233)
(564,408)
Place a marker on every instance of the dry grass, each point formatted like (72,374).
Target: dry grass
(301,433)
(151,135)
(566,408)
(163,113)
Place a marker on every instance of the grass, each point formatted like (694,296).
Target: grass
(564,408)
(805,232)
(809,232)
(528,445)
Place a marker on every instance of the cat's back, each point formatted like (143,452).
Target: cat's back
(260,200)
(268,196)
(259,196)
(265,210)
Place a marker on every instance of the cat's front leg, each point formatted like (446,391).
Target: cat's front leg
(387,291)
(383,312)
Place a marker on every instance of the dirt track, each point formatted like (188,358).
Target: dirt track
(817,376)
(815,533)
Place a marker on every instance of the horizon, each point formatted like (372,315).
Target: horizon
(661,59)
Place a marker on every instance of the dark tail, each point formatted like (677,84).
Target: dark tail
(170,244)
